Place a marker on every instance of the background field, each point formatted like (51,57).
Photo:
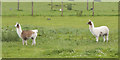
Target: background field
(65,36)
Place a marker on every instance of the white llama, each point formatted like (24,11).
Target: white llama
(26,34)
(98,31)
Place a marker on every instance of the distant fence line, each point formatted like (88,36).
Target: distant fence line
(59,9)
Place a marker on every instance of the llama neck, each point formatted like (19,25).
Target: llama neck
(19,31)
(91,27)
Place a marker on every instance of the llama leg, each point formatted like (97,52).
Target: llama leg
(26,42)
(104,38)
(34,41)
(107,38)
(23,42)
(97,39)
(33,38)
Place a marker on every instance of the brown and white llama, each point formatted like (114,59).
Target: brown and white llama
(26,34)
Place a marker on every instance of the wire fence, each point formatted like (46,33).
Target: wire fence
(59,8)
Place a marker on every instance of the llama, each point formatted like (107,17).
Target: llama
(98,31)
(26,34)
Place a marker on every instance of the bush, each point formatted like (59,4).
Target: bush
(69,7)
(9,36)
(79,13)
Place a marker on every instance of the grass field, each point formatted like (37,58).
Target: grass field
(60,37)
(66,36)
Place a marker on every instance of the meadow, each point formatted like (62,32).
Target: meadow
(65,36)
(62,37)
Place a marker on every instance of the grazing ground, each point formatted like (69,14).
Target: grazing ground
(59,37)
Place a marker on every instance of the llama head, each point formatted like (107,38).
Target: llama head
(17,25)
(90,22)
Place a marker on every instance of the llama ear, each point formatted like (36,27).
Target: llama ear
(89,20)
(16,22)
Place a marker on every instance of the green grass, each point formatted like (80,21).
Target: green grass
(44,9)
(60,37)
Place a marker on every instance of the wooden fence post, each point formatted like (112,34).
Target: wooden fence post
(18,4)
(93,8)
(62,8)
(87,4)
(32,8)
(51,5)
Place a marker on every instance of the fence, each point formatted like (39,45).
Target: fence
(53,9)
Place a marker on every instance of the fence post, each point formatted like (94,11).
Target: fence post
(93,8)
(32,8)
(18,4)
(51,5)
(62,8)
(87,4)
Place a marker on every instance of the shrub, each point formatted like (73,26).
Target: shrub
(8,36)
(69,7)
(79,13)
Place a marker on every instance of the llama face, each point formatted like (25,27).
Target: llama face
(17,25)
(90,22)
